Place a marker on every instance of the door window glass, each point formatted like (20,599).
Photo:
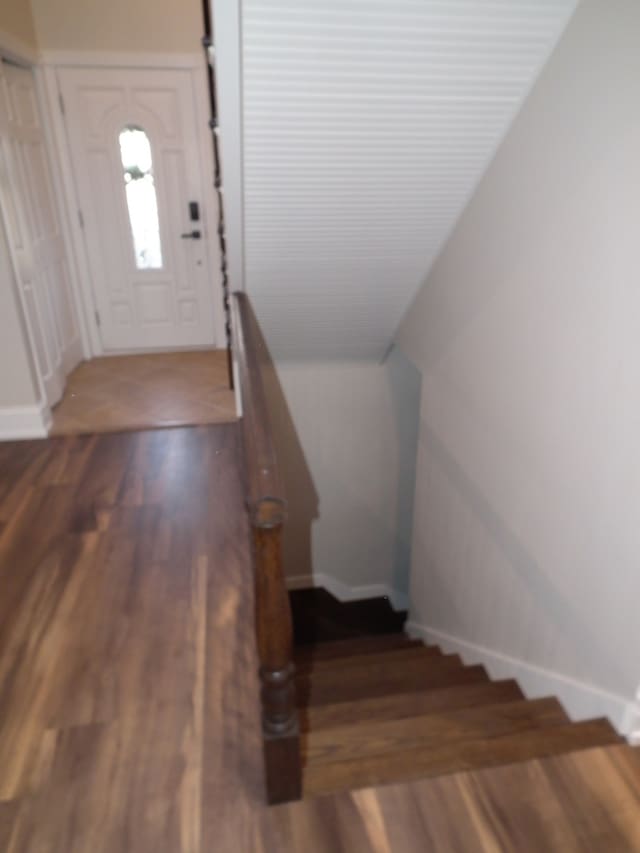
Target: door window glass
(142,201)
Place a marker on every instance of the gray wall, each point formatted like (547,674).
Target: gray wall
(347,438)
(527,333)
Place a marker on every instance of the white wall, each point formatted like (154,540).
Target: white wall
(119,25)
(347,440)
(526,534)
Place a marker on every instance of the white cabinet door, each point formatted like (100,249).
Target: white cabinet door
(132,136)
(33,228)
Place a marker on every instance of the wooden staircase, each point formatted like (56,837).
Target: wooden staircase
(376,707)
(355,704)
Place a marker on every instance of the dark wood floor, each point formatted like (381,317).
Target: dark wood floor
(127,667)
(587,801)
(129,717)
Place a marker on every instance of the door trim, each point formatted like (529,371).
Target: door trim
(56,155)
(34,421)
(195,64)
(22,54)
(227,50)
(15,50)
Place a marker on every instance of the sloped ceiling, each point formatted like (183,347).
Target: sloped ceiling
(367,124)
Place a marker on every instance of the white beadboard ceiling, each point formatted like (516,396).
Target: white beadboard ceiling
(366,126)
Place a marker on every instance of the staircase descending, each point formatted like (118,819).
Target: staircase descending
(377,707)
(358,705)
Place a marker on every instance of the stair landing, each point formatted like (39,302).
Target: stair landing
(572,803)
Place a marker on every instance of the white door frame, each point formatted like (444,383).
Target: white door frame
(226,54)
(28,58)
(51,61)
(17,51)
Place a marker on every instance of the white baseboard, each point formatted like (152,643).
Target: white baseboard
(581,700)
(344,592)
(22,422)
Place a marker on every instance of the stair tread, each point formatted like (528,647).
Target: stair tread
(354,683)
(353,743)
(390,656)
(444,758)
(400,705)
(368,644)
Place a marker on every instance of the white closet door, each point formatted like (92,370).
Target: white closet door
(132,134)
(33,229)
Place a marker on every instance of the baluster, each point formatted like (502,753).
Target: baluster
(275,648)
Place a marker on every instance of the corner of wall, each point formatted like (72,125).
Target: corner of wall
(405,381)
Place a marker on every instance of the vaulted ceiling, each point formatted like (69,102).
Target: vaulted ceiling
(367,125)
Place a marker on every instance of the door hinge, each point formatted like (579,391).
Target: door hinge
(61,102)
(97,318)
(81,219)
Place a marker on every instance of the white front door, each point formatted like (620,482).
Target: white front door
(133,139)
(33,227)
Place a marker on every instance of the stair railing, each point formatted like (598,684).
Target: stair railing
(266,506)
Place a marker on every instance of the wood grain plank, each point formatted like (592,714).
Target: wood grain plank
(450,757)
(233,773)
(357,742)
(354,646)
(388,657)
(401,705)
(147,390)
(129,718)
(332,686)
(581,802)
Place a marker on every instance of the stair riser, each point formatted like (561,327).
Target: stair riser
(402,705)
(352,743)
(373,682)
(392,657)
(355,646)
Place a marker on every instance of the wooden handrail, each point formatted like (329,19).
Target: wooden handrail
(266,504)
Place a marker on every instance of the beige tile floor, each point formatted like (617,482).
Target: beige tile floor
(151,390)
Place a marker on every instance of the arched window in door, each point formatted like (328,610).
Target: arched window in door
(142,201)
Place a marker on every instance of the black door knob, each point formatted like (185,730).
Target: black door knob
(191,235)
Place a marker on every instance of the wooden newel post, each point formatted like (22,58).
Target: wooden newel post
(275,650)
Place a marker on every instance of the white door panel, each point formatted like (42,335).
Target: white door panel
(34,232)
(168,304)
